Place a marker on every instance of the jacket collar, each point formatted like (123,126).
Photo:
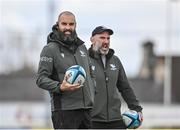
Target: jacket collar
(52,37)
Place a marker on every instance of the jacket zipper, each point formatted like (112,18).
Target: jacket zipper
(82,87)
(106,80)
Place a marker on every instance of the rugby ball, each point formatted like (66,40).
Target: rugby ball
(76,75)
(131,119)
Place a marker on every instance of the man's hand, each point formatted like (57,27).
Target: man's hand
(65,86)
(140,117)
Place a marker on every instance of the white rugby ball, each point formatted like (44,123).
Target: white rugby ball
(76,75)
(131,119)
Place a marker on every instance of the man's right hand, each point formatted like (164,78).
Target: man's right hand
(65,86)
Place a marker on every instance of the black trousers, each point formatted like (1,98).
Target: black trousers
(72,119)
(108,125)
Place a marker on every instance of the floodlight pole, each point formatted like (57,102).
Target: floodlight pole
(168,57)
(49,23)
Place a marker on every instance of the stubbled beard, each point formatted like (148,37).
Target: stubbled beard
(103,52)
(69,39)
(98,48)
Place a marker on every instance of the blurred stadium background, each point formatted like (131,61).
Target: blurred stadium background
(149,29)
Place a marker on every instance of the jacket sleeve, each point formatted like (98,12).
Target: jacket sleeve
(92,73)
(126,90)
(45,71)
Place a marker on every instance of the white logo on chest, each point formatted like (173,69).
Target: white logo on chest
(113,67)
(82,53)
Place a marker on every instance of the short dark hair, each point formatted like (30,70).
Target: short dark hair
(66,13)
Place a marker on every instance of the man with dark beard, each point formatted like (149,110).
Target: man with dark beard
(111,81)
(70,104)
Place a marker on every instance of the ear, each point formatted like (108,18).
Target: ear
(92,39)
(57,23)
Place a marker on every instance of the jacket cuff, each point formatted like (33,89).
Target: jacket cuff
(136,108)
(57,89)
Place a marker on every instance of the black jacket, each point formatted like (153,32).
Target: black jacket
(55,58)
(111,81)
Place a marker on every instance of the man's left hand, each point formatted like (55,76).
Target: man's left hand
(140,117)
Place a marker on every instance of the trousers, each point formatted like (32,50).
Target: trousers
(72,119)
(108,125)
